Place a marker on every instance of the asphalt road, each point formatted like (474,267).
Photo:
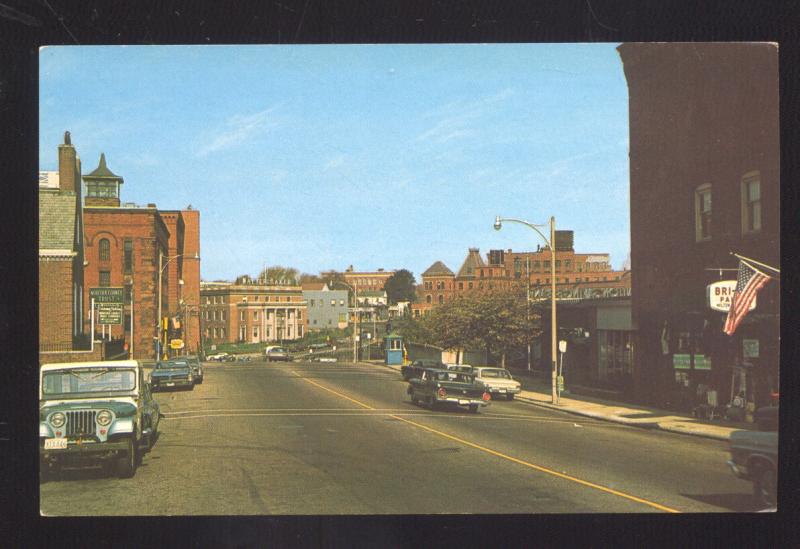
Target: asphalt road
(333,439)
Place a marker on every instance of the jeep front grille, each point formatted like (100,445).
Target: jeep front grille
(81,423)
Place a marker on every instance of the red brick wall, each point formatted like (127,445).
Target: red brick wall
(191,277)
(55,303)
(144,227)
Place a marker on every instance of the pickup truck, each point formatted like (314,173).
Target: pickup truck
(436,387)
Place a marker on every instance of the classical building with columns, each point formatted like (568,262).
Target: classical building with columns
(247,311)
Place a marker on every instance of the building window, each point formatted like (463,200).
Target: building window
(558,264)
(441,299)
(536,265)
(128,256)
(241,315)
(751,202)
(469,285)
(299,315)
(517,267)
(460,285)
(128,293)
(342,318)
(333,303)
(105,250)
(702,212)
(222,315)
(568,264)
(299,331)
(312,302)
(105,278)
(440,285)
(255,332)
(255,315)
(546,264)
(341,302)
(428,298)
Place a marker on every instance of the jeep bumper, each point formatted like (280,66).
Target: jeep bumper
(87,449)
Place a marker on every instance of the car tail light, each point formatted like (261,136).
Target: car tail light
(441,392)
(487,397)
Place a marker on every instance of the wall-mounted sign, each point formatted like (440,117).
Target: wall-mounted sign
(682,362)
(176,344)
(581,293)
(107,294)
(750,348)
(109,313)
(720,295)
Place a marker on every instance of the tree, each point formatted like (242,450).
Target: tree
(494,320)
(400,287)
(278,275)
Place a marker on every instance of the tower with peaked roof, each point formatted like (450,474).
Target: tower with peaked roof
(102,186)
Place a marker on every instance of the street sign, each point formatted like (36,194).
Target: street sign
(176,344)
(107,294)
(109,313)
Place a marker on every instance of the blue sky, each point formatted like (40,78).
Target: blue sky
(376,156)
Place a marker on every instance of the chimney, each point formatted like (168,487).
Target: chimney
(67,164)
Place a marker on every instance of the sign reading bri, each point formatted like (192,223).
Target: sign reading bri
(581,293)
(107,294)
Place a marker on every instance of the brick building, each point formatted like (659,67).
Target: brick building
(361,280)
(137,248)
(705,182)
(578,276)
(61,255)
(250,312)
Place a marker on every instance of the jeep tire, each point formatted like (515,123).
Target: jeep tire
(126,465)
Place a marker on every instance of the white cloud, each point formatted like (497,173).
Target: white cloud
(239,128)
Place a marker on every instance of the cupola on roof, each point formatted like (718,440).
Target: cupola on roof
(103,171)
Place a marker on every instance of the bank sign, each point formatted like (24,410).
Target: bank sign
(720,295)
(107,294)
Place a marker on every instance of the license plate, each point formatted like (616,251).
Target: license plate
(170,384)
(463,401)
(55,443)
(501,390)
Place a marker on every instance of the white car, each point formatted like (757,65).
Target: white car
(219,357)
(496,381)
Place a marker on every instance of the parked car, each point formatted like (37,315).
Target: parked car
(754,457)
(273,353)
(496,381)
(463,368)
(436,387)
(93,412)
(416,367)
(172,373)
(219,357)
(194,364)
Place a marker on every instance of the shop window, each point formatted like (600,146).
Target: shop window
(702,212)
(751,203)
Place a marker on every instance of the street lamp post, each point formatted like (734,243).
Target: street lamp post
(161,268)
(355,317)
(498,224)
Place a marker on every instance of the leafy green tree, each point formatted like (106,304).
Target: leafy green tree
(494,320)
(400,287)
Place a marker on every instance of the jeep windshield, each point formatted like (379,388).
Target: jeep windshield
(89,380)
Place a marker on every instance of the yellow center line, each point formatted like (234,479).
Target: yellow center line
(504,456)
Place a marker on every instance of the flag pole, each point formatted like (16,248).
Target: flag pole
(753,261)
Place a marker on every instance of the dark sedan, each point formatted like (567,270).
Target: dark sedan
(415,368)
(170,374)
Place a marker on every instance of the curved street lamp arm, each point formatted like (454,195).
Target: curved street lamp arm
(531,225)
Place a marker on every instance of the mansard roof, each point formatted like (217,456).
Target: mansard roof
(472,262)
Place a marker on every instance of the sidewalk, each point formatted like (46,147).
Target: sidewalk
(538,393)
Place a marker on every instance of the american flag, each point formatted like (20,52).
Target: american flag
(748,283)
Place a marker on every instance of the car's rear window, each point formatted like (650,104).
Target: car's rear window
(498,373)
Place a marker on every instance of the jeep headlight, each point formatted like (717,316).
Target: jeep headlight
(58,419)
(104,417)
